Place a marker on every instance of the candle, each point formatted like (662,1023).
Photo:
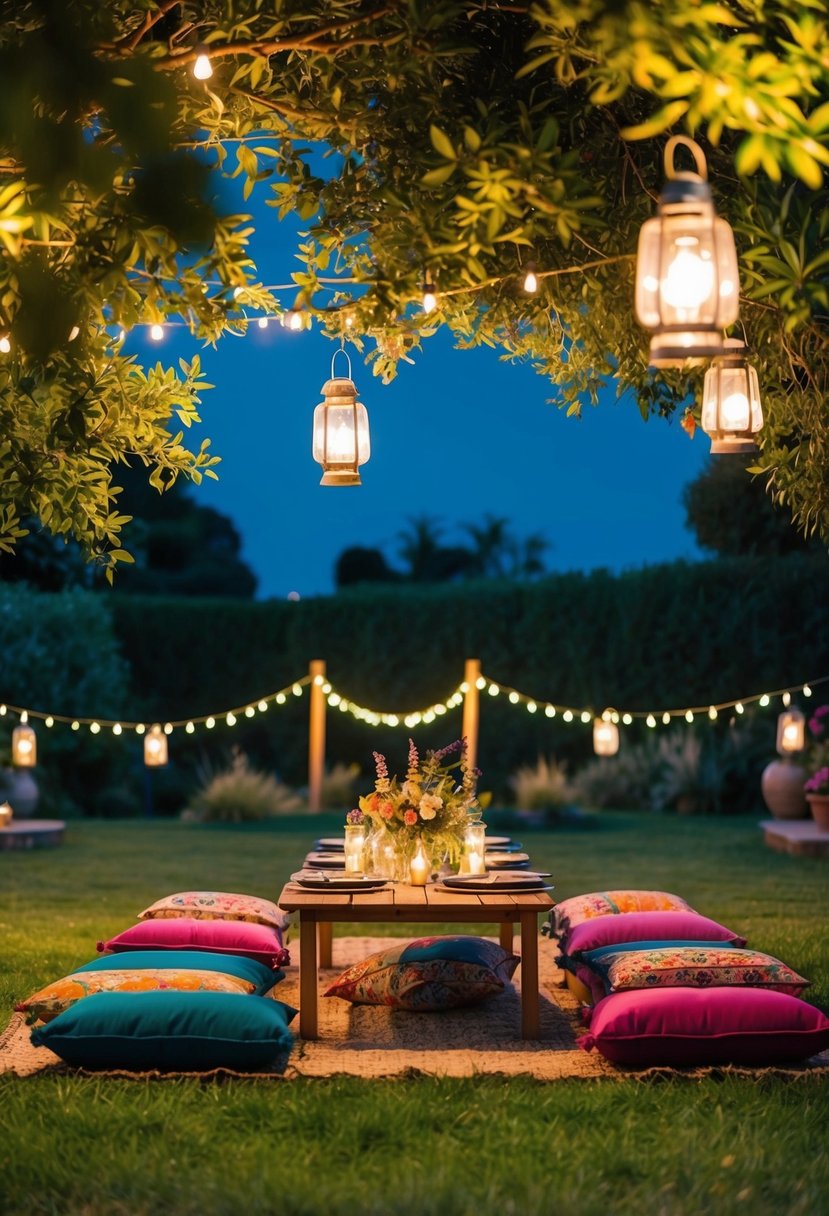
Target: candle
(355,839)
(5,814)
(419,868)
(475,860)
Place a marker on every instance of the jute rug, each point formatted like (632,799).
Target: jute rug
(369,1041)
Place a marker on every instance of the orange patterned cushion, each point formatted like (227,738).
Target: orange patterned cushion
(216,905)
(55,998)
(579,908)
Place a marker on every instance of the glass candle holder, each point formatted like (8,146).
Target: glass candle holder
(473,857)
(5,814)
(355,839)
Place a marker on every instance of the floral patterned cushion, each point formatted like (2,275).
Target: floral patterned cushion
(55,998)
(579,908)
(216,905)
(428,974)
(700,966)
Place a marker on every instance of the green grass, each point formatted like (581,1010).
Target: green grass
(724,1144)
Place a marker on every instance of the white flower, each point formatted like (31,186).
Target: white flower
(411,790)
(429,806)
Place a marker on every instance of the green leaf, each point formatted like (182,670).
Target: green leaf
(441,143)
(436,177)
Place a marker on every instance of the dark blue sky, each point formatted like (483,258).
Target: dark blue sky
(458,435)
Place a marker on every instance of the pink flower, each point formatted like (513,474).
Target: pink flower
(410,818)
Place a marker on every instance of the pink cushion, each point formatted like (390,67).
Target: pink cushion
(687,1026)
(260,942)
(646,927)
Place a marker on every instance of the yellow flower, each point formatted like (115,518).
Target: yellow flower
(429,806)
(411,790)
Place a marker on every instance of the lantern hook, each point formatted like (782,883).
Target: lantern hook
(341,351)
(696,151)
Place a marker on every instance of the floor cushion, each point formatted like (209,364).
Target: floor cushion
(260,942)
(700,966)
(579,908)
(644,926)
(178,1031)
(147,971)
(689,1026)
(216,905)
(428,974)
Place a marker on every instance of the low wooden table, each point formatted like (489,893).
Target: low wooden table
(319,912)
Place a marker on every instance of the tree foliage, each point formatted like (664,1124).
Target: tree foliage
(464,138)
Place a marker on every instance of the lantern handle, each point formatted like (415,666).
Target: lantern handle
(696,151)
(341,351)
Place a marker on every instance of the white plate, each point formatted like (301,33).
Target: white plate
(495,842)
(326,843)
(496,858)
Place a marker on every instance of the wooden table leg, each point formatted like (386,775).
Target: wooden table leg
(505,935)
(530,1022)
(308,981)
(325,933)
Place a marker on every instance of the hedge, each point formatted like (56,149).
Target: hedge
(670,635)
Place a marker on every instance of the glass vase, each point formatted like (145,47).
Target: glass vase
(473,855)
(355,840)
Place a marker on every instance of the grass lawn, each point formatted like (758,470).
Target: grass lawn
(416,1145)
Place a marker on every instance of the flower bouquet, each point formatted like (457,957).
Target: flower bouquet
(434,803)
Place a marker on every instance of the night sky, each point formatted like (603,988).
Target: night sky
(458,435)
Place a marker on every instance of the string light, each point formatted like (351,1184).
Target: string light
(262,322)
(430,300)
(5,344)
(157,333)
(202,68)
(530,279)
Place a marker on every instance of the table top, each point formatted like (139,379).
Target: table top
(397,899)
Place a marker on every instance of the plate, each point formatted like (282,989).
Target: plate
(326,861)
(501,888)
(498,858)
(496,842)
(336,882)
(327,844)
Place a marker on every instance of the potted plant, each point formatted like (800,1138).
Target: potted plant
(817,753)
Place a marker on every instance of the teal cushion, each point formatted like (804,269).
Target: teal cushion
(178,1031)
(189,960)
(595,956)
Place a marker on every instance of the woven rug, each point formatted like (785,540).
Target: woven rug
(370,1041)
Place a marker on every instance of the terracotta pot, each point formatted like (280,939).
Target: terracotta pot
(819,804)
(782,786)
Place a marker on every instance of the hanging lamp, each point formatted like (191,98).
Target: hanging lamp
(24,746)
(341,440)
(687,279)
(731,410)
(605,737)
(791,732)
(155,747)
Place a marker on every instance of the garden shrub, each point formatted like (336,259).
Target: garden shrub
(240,794)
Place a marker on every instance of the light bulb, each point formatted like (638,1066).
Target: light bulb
(430,300)
(530,281)
(689,278)
(202,68)
(262,322)
(735,412)
(189,728)
(5,344)
(292,319)
(73,333)
(157,333)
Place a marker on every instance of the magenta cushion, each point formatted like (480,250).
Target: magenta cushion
(645,927)
(687,1026)
(260,942)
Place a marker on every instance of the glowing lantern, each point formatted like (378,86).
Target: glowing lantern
(155,748)
(341,439)
(605,737)
(687,281)
(24,746)
(731,410)
(791,732)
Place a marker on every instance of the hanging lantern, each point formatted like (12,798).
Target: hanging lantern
(791,732)
(155,747)
(605,737)
(687,280)
(341,439)
(731,410)
(24,746)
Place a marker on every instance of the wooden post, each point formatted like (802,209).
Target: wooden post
(316,734)
(471,711)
